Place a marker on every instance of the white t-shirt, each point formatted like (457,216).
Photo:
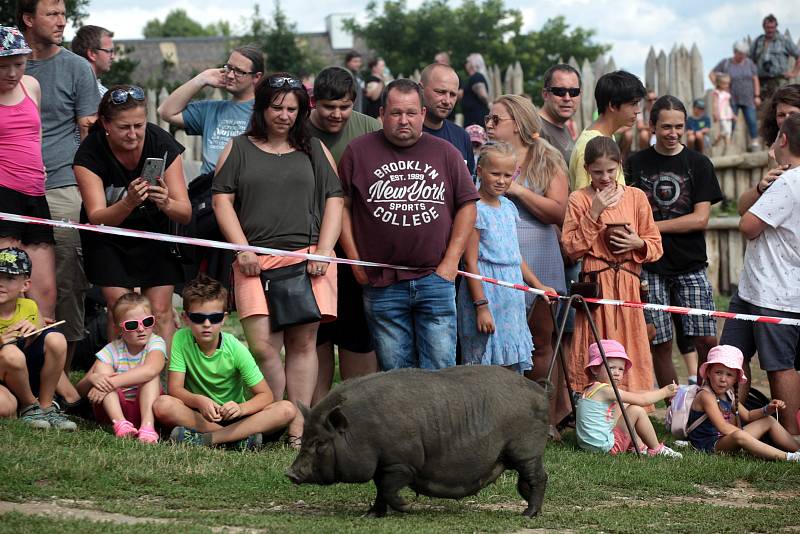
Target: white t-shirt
(771,275)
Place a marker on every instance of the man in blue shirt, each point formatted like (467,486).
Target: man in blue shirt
(217,120)
(440,92)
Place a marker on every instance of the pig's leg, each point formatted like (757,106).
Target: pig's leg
(389,481)
(531,484)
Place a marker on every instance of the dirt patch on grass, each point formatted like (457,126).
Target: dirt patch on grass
(740,495)
(72,509)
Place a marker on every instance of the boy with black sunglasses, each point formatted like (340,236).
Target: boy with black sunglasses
(30,363)
(217,394)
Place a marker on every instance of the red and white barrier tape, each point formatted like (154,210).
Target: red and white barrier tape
(112,230)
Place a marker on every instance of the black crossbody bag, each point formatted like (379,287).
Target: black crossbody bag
(288,290)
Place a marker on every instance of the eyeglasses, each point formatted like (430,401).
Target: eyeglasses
(276,82)
(120,96)
(109,51)
(237,72)
(564,91)
(133,324)
(495,119)
(200,318)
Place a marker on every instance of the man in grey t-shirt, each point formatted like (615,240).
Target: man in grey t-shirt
(69,99)
(562,96)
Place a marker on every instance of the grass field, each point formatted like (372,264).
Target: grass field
(91,482)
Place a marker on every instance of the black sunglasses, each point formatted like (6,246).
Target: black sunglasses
(277,82)
(133,324)
(200,318)
(120,96)
(563,91)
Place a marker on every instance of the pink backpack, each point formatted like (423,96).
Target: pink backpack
(677,415)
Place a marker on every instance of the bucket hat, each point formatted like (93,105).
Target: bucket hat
(729,356)
(612,348)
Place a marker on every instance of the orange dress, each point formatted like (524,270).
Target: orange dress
(584,238)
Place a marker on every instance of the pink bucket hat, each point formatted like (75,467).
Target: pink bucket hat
(477,134)
(729,356)
(613,349)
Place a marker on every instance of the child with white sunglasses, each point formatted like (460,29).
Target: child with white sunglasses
(123,384)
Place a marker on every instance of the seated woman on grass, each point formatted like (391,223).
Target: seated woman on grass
(123,384)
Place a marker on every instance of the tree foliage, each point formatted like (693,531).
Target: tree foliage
(278,39)
(178,23)
(76,11)
(408,38)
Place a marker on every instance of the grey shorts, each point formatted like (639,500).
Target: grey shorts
(65,203)
(777,345)
(689,290)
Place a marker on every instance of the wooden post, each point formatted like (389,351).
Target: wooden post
(650,73)
(611,66)
(519,79)
(672,82)
(712,251)
(736,247)
(152,106)
(587,102)
(724,257)
(508,82)
(684,82)
(586,93)
(698,73)
(662,66)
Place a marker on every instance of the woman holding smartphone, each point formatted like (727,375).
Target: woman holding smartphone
(108,167)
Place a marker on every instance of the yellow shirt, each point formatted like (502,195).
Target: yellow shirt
(578,177)
(26,309)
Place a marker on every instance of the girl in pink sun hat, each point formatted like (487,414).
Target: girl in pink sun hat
(599,427)
(717,404)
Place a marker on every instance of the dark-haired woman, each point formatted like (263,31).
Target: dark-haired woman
(276,187)
(681,186)
(108,167)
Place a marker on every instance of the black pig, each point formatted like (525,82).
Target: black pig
(445,433)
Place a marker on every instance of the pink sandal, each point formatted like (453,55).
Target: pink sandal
(124,429)
(148,434)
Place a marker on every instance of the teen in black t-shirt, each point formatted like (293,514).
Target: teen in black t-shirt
(681,186)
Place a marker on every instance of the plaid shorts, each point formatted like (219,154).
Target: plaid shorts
(689,290)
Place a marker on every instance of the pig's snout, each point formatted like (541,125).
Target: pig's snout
(294,476)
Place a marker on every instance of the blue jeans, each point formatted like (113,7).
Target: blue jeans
(413,323)
(749,119)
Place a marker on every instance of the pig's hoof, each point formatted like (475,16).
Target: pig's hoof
(400,505)
(530,511)
(374,513)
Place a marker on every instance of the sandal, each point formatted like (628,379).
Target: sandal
(294,442)
(148,434)
(124,429)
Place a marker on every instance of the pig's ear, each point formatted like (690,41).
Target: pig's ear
(303,410)
(336,420)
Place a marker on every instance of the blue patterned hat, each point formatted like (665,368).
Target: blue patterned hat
(12,43)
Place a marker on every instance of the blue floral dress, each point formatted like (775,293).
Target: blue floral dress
(498,257)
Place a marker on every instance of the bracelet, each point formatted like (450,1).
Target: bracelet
(480,302)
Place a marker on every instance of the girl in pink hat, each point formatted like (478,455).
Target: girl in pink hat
(717,404)
(599,427)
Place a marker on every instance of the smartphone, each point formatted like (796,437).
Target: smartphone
(153,168)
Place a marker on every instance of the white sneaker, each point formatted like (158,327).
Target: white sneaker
(669,453)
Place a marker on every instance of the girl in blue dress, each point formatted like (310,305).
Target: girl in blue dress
(492,324)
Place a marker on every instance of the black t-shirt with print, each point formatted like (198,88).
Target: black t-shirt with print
(673,185)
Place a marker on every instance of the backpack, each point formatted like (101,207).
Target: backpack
(677,415)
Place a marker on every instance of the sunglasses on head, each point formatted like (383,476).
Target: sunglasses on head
(563,91)
(120,96)
(277,82)
(200,318)
(132,325)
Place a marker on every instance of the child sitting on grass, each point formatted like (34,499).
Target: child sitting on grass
(721,430)
(217,394)
(124,382)
(30,365)
(599,427)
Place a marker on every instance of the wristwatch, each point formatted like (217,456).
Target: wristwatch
(480,302)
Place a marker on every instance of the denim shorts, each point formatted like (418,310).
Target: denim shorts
(413,322)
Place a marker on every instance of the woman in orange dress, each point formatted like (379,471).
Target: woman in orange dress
(615,254)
